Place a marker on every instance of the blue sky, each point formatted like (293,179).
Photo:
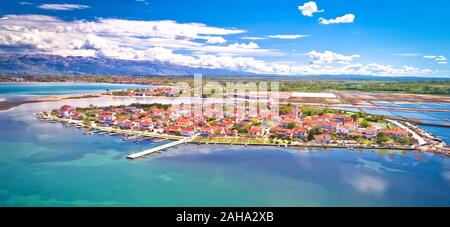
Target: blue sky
(292,37)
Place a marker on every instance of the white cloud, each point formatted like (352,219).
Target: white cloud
(288,36)
(64,7)
(25,3)
(215,39)
(441,59)
(250,45)
(164,41)
(329,57)
(430,56)
(253,38)
(347,18)
(275,37)
(309,8)
(54,36)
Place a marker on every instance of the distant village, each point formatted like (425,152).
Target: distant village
(156,91)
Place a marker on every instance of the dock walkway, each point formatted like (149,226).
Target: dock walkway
(159,148)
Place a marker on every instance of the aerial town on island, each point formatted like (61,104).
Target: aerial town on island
(294,126)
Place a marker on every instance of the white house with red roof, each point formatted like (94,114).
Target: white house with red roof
(188,131)
(66,111)
(322,138)
(183,122)
(107,116)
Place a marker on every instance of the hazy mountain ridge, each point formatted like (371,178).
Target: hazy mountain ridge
(53,65)
(36,65)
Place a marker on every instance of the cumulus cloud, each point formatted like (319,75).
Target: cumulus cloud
(63,7)
(170,42)
(54,36)
(250,45)
(288,36)
(309,8)
(215,39)
(347,18)
(329,57)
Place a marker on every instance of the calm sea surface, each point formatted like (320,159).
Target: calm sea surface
(44,164)
(23,90)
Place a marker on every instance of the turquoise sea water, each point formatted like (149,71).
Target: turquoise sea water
(44,164)
(441,132)
(21,90)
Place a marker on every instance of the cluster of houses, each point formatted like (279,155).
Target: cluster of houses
(327,128)
(330,126)
(157,91)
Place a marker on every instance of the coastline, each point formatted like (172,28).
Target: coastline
(8,105)
(216,141)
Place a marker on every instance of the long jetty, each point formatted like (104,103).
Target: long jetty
(159,148)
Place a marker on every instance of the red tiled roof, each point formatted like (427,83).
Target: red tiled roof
(173,128)
(182,120)
(301,130)
(395,132)
(255,129)
(357,134)
(121,120)
(276,129)
(146,120)
(189,129)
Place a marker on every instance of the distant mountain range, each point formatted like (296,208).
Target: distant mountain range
(42,65)
(53,65)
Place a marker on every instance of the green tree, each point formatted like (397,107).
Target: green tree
(314,131)
(291,125)
(381,138)
(364,123)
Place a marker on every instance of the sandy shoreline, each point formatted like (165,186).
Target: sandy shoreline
(7,105)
